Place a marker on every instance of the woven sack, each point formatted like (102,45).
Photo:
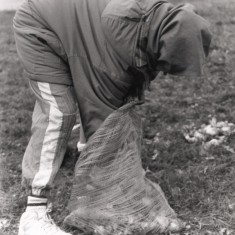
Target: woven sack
(111,194)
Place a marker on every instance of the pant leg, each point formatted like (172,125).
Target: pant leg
(53,119)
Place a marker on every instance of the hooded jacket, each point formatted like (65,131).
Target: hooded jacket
(110,46)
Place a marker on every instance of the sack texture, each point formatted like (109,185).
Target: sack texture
(111,194)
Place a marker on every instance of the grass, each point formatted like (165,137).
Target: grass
(199,184)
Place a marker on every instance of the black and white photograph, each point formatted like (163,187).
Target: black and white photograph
(117,117)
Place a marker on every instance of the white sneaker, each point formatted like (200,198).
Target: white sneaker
(35,222)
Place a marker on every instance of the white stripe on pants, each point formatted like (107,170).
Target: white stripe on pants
(50,141)
(53,120)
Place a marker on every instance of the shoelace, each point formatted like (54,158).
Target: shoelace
(49,223)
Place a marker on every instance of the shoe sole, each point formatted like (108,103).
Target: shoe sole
(21,232)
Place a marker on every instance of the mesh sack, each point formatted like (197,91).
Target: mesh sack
(111,194)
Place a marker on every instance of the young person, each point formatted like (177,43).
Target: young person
(93,54)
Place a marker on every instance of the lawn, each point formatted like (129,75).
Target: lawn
(197,180)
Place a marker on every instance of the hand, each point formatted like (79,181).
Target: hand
(189,7)
(80,146)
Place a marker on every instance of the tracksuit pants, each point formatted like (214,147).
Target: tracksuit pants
(53,118)
(54,115)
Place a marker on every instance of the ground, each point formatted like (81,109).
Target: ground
(198,182)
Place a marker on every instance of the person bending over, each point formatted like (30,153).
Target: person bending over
(91,56)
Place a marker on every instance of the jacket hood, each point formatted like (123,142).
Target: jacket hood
(178,41)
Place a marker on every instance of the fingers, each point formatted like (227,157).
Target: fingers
(189,7)
(80,146)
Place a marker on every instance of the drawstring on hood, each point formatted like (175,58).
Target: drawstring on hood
(178,41)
